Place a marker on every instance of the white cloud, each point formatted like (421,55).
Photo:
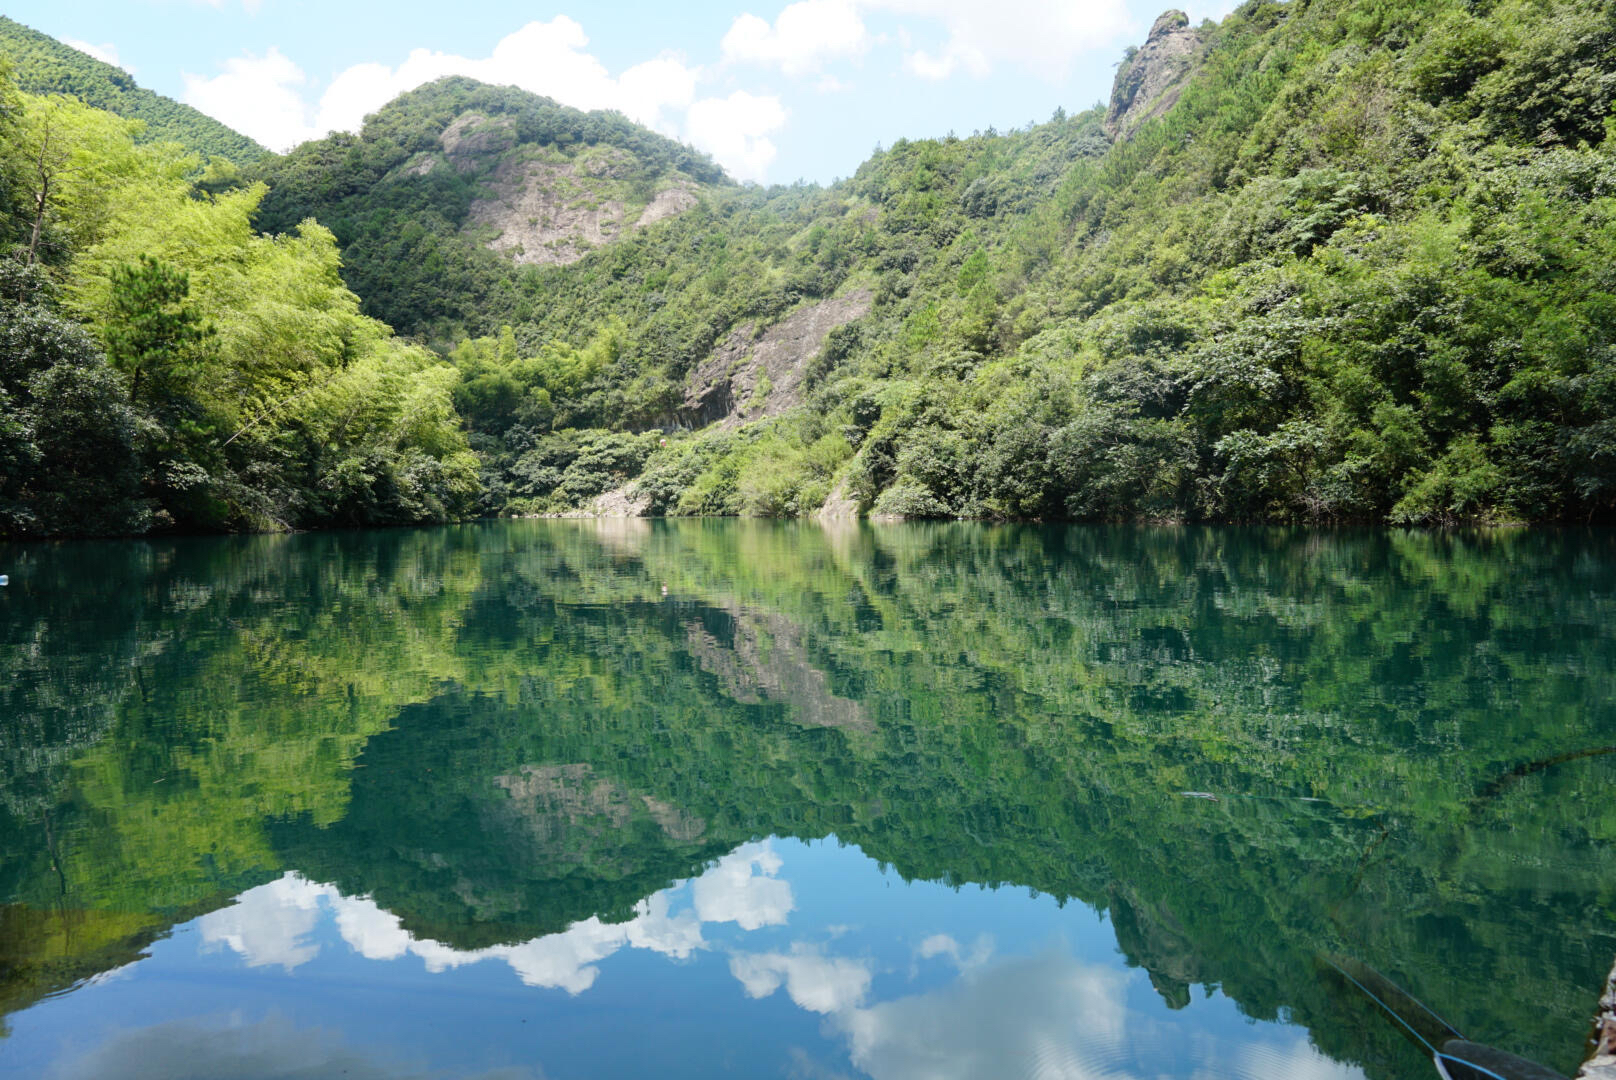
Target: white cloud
(251,7)
(735,131)
(260,96)
(923,64)
(804,36)
(272,924)
(1211,9)
(566,960)
(229,1044)
(1045,37)
(369,930)
(106,52)
(265,97)
(647,89)
(732,892)
(814,981)
(563,961)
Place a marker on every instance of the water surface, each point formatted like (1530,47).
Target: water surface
(590,799)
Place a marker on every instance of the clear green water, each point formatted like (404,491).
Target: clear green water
(575,799)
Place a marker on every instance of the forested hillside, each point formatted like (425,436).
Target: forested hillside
(450,186)
(1360,269)
(164,365)
(42,65)
(1329,260)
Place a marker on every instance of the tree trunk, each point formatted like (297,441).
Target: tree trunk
(42,197)
(41,202)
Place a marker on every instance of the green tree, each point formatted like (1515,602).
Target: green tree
(68,463)
(153,336)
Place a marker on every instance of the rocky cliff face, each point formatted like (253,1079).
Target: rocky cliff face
(1149,82)
(751,376)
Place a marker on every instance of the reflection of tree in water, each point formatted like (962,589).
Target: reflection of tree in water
(543,737)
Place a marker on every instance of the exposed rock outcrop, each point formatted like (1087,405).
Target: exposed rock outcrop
(620,502)
(839,504)
(472,136)
(751,376)
(552,212)
(1150,81)
(1153,938)
(669,202)
(547,214)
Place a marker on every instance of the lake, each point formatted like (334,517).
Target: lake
(722,798)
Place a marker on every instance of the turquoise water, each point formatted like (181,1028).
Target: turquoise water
(588,799)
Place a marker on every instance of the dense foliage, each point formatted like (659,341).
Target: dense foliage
(1361,271)
(42,65)
(163,364)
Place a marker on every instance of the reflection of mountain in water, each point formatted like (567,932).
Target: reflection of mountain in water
(498,732)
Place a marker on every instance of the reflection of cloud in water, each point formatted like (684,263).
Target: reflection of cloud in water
(1298,1061)
(1037,1016)
(270,924)
(814,981)
(271,1048)
(273,924)
(731,892)
(1044,1016)
(565,960)
(944,945)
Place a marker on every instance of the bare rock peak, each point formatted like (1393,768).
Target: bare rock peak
(1149,82)
(1169,21)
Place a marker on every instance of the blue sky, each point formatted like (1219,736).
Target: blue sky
(775,91)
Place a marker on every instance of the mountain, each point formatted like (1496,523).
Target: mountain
(1327,260)
(449,191)
(42,65)
(1323,261)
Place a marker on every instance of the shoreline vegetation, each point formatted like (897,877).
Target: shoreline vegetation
(1327,261)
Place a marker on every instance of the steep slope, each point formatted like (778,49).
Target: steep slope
(42,65)
(450,189)
(1329,260)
